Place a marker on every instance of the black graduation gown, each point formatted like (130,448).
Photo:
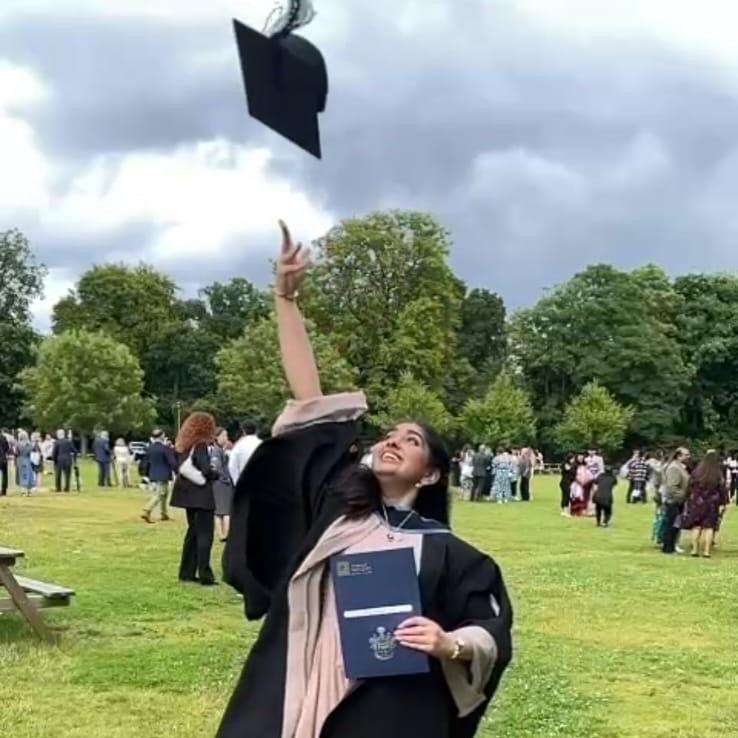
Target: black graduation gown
(282,506)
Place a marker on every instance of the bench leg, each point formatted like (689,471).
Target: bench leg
(26,607)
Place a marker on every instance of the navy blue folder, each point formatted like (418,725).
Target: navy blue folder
(375,592)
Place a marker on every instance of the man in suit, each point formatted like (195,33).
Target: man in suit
(103,455)
(63,457)
(162,468)
(4,453)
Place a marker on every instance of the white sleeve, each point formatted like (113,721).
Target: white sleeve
(235,467)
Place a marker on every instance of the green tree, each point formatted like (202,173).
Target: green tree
(21,282)
(232,306)
(383,291)
(85,381)
(179,367)
(482,334)
(603,324)
(593,419)
(250,378)
(411,399)
(707,330)
(131,304)
(503,416)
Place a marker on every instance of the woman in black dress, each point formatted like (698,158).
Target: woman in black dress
(568,477)
(300,501)
(193,491)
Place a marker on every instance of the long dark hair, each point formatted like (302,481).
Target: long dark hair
(709,474)
(361,492)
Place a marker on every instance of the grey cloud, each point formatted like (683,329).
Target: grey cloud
(540,155)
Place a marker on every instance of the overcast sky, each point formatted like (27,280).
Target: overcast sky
(546,134)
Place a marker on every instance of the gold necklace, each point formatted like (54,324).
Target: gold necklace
(390,533)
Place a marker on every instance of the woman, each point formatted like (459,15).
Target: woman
(579,488)
(26,473)
(123,460)
(222,486)
(37,460)
(47,450)
(467,473)
(708,498)
(297,504)
(568,476)
(193,491)
(502,472)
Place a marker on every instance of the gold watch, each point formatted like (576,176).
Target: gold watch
(458,648)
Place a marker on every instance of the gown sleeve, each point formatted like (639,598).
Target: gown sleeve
(480,613)
(283,493)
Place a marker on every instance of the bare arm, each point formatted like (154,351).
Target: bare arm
(298,359)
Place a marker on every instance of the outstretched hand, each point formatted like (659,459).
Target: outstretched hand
(292,264)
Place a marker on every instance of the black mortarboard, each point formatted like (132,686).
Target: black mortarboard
(286,84)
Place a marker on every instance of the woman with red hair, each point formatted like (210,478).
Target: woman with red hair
(193,491)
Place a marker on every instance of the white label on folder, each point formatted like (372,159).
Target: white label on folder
(369,612)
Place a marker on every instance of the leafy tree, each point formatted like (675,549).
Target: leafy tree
(382,288)
(21,282)
(250,377)
(482,334)
(603,324)
(411,399)
(85,381)
(232,306)
(21,277)
(593,419)
(503,416)
(179,367)
(131,304)
(707,330)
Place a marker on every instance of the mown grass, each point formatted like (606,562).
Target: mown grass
(613,639)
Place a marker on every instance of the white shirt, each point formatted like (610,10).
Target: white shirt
(240,455)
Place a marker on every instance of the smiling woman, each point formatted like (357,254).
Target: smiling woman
(300,502)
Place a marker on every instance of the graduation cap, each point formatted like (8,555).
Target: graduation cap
(286,81)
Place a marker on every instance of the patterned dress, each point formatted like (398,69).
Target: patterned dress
(703,507)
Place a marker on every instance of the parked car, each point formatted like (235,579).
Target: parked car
(138,449)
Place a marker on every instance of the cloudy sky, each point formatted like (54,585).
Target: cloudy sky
(546,134)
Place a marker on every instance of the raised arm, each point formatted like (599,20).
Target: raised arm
(298,360)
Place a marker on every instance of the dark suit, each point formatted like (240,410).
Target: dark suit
(162,462)
(4,453)
(199,503)
(101,450)
(63,458)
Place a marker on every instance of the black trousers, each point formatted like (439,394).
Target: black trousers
(479,486)
(671,533)
(4,475)
(514,488)
(198,542)
(103,474)
(565,495)
(525,489)
(604,513)
(63,470)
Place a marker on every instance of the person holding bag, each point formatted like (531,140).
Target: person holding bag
(193,491)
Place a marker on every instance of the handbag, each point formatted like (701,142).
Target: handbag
(190,472)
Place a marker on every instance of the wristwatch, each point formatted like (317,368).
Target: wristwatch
(458,648)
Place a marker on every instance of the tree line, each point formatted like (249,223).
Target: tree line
(607,358)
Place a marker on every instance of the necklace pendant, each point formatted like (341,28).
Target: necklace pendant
(390,537)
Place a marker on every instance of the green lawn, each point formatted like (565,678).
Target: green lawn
(613,639)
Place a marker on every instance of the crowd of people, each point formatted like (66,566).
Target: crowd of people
(687,496)
(26,458)
(504,476)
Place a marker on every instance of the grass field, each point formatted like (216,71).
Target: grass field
(613,639)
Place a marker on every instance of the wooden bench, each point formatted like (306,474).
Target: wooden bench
(28,596)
